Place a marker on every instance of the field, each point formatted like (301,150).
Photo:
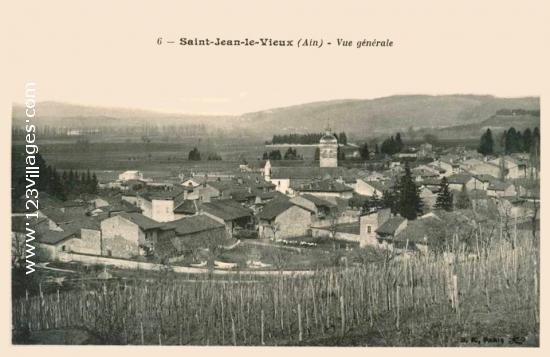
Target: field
(430,300)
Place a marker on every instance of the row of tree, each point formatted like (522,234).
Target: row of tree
(290,154)
(512,141)
(306,139)
(195,155)
(392,145)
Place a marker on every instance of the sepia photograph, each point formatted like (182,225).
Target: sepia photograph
(212,179)
(406,230)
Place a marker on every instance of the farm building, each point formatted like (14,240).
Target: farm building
(282,219)
(228,212)
(190,233)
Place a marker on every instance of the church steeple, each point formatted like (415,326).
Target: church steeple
(328,149)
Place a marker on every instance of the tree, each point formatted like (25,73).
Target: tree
(372,203)
(527,140)
(194,155)
(340,154)
(390,200)
(444,198)
(486,144)
(398,142)
(342,138)
(463,200)
(409,203)
(364,151)
(291,154)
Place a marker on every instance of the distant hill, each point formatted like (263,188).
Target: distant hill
(357,117)
(82,116)
(497,123)
(383,115)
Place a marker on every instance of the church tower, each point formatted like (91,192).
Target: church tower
(328,150)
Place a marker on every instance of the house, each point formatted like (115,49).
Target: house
(501,189)
(386,233)
(159,205)
(369,223)
(326,188)
(513,168)
(82,235)
(319,207)
(127,235)
(371,188)
(230,213)
(280,219)
(418,234)
(457,181)
(425,150)
(485,180)
(188,234)
(480,168)
(186,208)
(130,175)
(449,164)
(423,172)
(428,197)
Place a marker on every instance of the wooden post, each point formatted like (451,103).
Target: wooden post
(342,314)
(455,292)
(262,329)
(299,323)
(233,331)
(397,305)
(142,338)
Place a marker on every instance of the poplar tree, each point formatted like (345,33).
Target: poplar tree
(486,144)
(409,202)
(444,198)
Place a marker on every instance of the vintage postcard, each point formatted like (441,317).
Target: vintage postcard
(275,174)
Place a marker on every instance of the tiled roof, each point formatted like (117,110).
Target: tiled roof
(142,221)
(319,202)
(54,237)
(274,208)
(324,186)
(418,229)
(227,210)
(193,224)
(459,178)
(162,194)
(309,172)
(187,207)
(498,185)
(390,226)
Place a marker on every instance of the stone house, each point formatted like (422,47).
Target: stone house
(320,208)
(159,205)
(128,235)
(230,213)
(190,234)
(501,189)
(369,223)
(280,219)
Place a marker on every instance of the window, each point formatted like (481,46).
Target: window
(368,229)
(63,248)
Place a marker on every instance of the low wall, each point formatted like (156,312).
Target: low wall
(135,265)
(325,232)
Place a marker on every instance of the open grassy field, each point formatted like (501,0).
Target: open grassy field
(424,300)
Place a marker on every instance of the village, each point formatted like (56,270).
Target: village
(291,215)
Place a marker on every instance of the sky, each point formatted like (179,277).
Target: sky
(98,53)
